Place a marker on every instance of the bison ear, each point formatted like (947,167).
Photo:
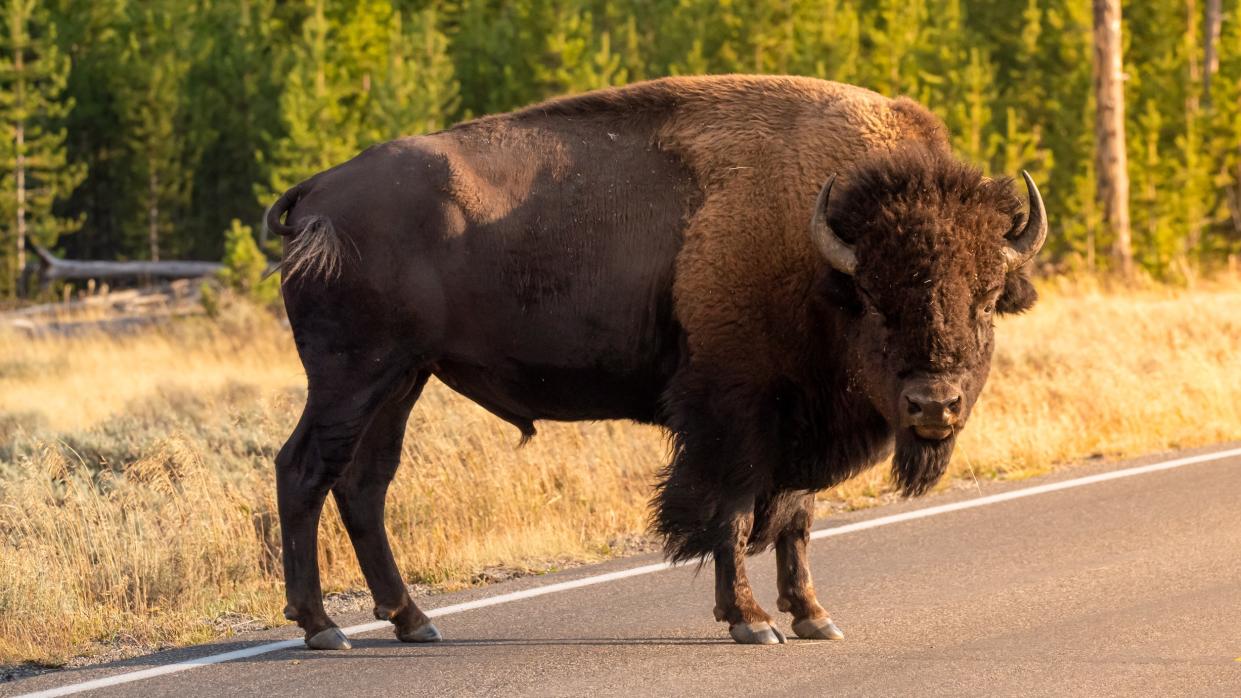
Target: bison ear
(1019,293)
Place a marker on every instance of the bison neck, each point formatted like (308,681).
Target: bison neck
(829,431)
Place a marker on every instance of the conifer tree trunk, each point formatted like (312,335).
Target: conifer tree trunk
(1111,161)
(153,212)
(32,107)
(1212,23)
(20,173)
(20,181)
(1193,107)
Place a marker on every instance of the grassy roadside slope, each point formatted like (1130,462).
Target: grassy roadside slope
(137,507)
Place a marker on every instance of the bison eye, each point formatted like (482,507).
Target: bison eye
(986,308)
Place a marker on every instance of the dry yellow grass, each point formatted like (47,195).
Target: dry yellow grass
(136,496)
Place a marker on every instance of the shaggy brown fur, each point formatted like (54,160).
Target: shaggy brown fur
(928,231)
(644,253)
(748,264)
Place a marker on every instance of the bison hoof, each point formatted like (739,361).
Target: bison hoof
(330,639)
(817,629)
(759,633)
(426,632)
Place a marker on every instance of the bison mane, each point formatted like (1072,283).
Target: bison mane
(891,190)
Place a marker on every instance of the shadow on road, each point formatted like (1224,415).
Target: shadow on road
(384,647)
(601,642)
(373,648)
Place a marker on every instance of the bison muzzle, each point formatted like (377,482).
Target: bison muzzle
(795,278)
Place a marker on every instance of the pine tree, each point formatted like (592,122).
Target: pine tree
(245,267)
(306,84)
(827,39)
(32,109)
(704,36)
(1026,99)
(894,45)
(1064,74)
(97,134)
(633,60)
(1225,138)
(230,98)
(1152,232)
(769,35)
(416,92)
(156,70)
(487,53)
(1194,178)
(320,128)
(941,58)
(1081,225)
(969,114)
(396,77)
(1170,120)
(568,57)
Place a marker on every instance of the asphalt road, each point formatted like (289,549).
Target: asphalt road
(1124,587)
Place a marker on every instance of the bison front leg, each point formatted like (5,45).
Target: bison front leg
(747,622)
(810,620)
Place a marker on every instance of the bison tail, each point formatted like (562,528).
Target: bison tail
(317,250)
(313,247)
(273,222)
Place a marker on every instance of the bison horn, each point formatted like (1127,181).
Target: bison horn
(837,253)
(1021,249)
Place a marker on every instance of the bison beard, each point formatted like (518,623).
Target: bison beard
(919,463)
(692,516)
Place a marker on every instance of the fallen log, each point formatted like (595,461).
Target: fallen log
(53,268)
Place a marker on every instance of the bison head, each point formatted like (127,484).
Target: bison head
(924,252)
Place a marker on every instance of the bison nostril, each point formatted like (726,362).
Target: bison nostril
(953,405)
(912,406)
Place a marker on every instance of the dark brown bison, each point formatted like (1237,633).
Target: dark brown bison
(793,277)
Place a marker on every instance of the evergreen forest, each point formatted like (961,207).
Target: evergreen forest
(139,129)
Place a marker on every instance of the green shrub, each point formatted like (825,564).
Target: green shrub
(245,266)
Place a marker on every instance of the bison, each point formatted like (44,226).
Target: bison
(795,278)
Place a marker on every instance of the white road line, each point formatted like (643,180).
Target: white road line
(1023,492)
(128,677)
